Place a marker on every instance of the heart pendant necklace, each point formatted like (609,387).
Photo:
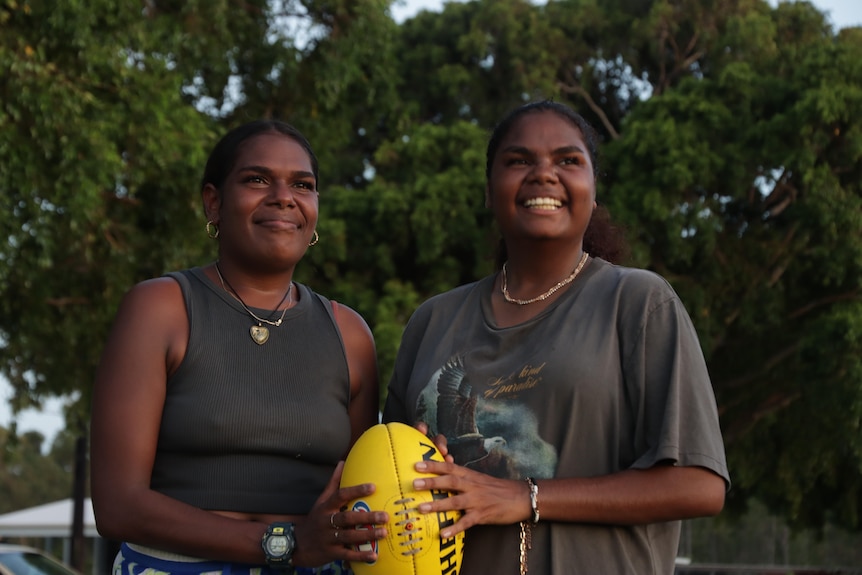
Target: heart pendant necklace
(259,333)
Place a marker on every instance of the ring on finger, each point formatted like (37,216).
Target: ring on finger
(332,521)
(336,534)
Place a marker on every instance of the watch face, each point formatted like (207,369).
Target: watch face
(276,545)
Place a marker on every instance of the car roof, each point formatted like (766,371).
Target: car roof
(15,549)
(6,547)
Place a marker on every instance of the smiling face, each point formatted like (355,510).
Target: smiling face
(266,208)
(540,181)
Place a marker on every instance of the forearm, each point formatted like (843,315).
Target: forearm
(154,520)
(632,497)
(149,518)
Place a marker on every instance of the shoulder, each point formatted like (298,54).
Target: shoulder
(359,347)
(630,283)
(635,296)
(154,309)
(156,293)
(629,277)
(350,323)
(151,319)
(443,304)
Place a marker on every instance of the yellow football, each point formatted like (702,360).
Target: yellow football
(386,455)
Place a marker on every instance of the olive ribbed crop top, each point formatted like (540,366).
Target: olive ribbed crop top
(247,427)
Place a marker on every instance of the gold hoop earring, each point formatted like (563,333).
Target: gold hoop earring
(315,240)
(212,229)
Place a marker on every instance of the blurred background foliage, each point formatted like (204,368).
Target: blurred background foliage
(731,153)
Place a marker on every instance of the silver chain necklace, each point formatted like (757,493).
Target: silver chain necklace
(547,294)
(259,333)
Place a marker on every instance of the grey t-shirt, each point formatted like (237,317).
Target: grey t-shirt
(609,377)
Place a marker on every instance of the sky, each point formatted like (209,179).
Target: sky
(842,13)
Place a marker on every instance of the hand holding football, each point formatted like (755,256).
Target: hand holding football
(386,455)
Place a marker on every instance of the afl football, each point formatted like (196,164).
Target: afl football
(386,455)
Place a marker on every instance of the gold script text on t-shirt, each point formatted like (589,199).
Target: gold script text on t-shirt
(528,378)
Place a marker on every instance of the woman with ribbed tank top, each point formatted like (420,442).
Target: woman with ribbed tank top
(570,394)
(228,395)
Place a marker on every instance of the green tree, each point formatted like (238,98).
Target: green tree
(28,477)
(418,228)
(99,153)
(475,60)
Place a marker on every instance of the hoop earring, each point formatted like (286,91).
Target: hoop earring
(315,240)
(212,229)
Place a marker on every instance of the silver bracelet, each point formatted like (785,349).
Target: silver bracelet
(534,499)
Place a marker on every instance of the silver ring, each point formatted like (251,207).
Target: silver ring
(332,521)
(336,534)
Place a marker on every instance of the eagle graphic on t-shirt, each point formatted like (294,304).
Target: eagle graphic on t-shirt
(497,436)
(456,419)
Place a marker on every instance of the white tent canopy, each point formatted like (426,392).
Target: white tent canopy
(48,520)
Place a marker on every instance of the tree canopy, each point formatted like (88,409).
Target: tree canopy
(732,154)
